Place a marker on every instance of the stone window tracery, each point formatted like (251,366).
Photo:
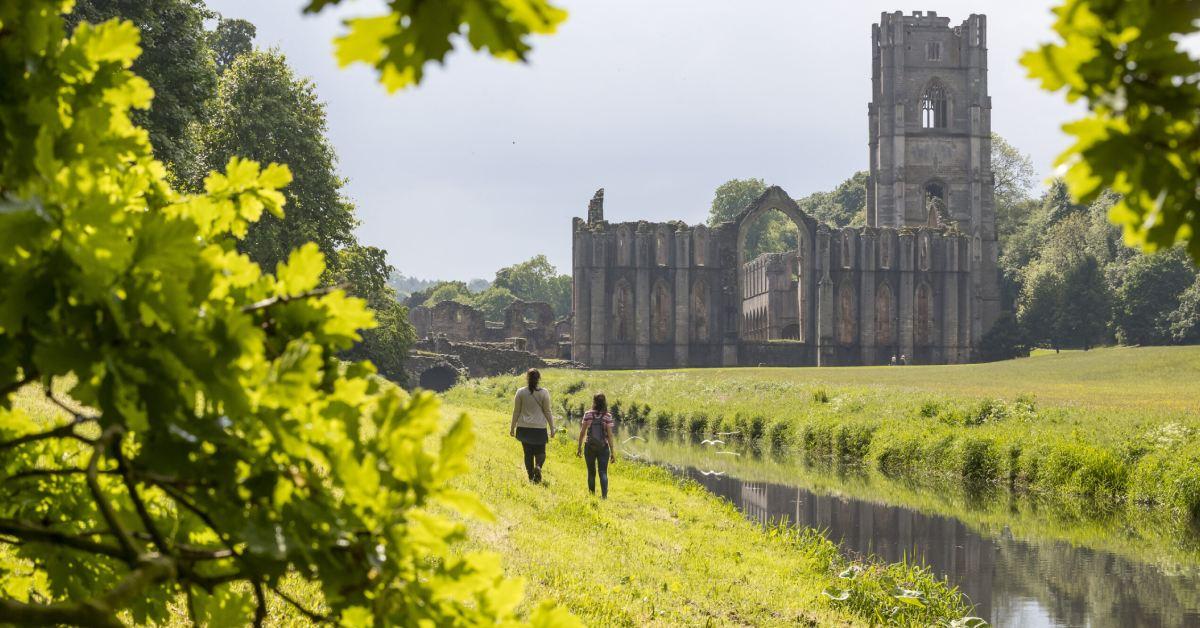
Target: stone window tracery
(700,311)
(845,314)
(934,107)
(885,251)
(923,326)
(884,333)
(661,250)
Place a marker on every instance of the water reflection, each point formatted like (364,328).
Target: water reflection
(1012,582)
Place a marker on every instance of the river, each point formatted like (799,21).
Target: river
(1021,562)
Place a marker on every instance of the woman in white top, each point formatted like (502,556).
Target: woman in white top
(532,424)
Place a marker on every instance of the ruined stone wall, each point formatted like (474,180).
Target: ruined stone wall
(652,295)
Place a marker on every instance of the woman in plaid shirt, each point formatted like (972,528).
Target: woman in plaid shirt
(597,428)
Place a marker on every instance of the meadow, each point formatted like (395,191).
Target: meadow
(663,551)
(1116,426)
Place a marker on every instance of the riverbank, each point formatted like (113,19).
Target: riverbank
(1119,426)
(663,551)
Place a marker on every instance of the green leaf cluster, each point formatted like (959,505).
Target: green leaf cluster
(206,444)
(1141,136)
(412,34)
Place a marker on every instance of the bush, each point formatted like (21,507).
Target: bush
(697,423)
(575,386)
(820,395)
(756,425)
(978,460)
(778,435)
(663,421)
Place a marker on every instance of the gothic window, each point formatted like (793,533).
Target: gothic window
(660,313)
(933,51)
(622,312)
(845,315)
(700,244)
(700,312)
(884,334)
(846,253)
(934,199)
(934,110)
(923,251)
(661,250)
(923,326)
(885,251)
(623,246)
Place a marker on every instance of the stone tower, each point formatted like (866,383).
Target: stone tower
(930,141)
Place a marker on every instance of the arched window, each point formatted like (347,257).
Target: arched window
(623,248)
(885,250)
(924,322)
(622,312)
(662,245)
(884,334)
(700,245)
(845,314)
(700,312)
(847,252)
(934,109)
(934,198)
(660,313)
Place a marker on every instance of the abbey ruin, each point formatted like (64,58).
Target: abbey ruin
(920,280)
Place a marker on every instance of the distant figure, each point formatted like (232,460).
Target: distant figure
(599,450)
(903,359)
(532,424)
(893,362)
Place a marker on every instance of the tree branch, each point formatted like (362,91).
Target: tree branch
(106,510)
(313,615)
(277,300)
(42,534)
(37,473)
(18,385)
(260,610)
(62,431)
(147,521)
(99,611)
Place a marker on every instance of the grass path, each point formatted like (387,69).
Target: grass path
(661,551)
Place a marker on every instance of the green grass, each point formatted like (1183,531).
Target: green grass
(663,551)
(1118,425)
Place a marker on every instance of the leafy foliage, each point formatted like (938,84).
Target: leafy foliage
(1065,301)
(845,205)
(175,60)
(400,43)
(1014,174)
(536,279)
(732,197)
(208,441)
(231,39)
(364,271)
(263,111)
(1150,294)
(1141,137)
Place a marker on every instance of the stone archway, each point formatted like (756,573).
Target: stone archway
(438,378)
(776,199)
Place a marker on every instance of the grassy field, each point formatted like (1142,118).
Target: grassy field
(1120,425)
(661,551)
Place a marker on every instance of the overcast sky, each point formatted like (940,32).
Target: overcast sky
(657,101)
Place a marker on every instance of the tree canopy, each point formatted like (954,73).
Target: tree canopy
(263,111)
(231,39)
(1141,135)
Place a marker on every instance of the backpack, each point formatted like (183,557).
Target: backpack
(595,434)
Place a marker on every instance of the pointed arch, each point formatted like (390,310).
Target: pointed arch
(624,247)
(660,312)
(885,311)
(700,311)
(923,325)
(846,315)
(935,107)
(622,312)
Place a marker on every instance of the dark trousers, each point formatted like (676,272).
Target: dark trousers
(597,462)
(535,457)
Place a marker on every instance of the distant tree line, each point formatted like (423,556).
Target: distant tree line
(535,279)
(218,96)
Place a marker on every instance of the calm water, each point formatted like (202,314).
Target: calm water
(1012,581)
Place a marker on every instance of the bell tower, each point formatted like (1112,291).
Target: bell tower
(930,139)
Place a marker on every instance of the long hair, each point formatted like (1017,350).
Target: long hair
(532,377)
(599,404)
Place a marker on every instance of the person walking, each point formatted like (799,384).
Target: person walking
(599,451)
(532,424)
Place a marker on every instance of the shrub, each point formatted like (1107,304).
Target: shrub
(663,421)
(697,423)
(778,435)
(978,460)
(757,425)
(852,442)
(820,395)
(574,387)
(616,411)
